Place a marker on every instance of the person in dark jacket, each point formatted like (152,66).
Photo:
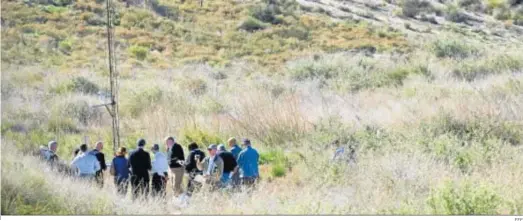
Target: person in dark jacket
(176,160)
(99,177)
(190,167)
(140,163)
(229,164)
(121,171)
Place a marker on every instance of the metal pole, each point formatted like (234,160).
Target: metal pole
(113,78)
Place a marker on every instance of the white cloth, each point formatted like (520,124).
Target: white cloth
(86,163)
(160,165)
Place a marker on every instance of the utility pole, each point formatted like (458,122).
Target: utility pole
(112,106)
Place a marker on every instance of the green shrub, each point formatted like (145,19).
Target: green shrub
(272,156)
(138,52)
(293,32)
(447,48)
(195,86)
(91,18)
(517,17)
(472,5)
(502,13)
(454,14)
(202,137)
(412,8)
(54,9)
(59,124)
(141,101)
(66,46)
(164,10)
(278,170)
(77,84)
(83,85)
(464,199)
(473,70)
(252,24)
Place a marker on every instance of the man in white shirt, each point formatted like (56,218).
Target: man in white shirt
(85,163)
(160,168)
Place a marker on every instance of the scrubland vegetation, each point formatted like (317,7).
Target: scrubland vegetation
(433,110)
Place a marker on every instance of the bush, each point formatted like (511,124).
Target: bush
(77,84)
(252,24)
(464,199)
(278,170)
(502,13)
(138,52)
(453,49)
(201,137)
(59,124)
(454,14)
(473,70)
(66,46)
(294,32)
(473,5)
(412,8)
(195,86)
(142,100)
(517,17)
(164,10)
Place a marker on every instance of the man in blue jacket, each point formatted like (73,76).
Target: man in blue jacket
(248,164)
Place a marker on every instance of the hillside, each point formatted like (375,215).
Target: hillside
(428,92)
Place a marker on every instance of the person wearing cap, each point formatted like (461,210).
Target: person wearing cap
(120,166)
(85,163)
(248,164)
(212,167)
(229,164)
(159,171)
(176,160)
(190,167)
(97,152)
(140,162)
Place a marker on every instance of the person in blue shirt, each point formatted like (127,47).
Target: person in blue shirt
(120,166)
(235,150)
(248,164)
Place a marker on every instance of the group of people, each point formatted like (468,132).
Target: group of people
(221,168)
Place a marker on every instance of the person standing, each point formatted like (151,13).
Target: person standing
(229,164)
(176,161)
(85,163)
(49,153)
(212,167)
(120,166)
(140,162)
(248,164)
(97,152)
(235,150)
(195,154)
(159,170)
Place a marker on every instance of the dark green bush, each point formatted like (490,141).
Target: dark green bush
(252,24)
(138,52)
(454,14)
(447,48)
(412,8)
